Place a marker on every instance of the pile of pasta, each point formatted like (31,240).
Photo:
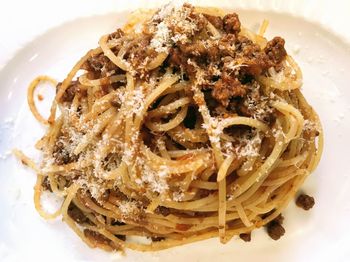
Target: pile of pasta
(136,150)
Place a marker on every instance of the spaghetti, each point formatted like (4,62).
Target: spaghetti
(181,127)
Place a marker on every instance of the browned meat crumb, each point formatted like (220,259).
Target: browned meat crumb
(99,64)
(275,50)
(227,46)
(98,239)
(73,88)
(304,201)
(139,52)
(226,88)
(195,49)
(243,109)
(157,239)
(246,237)
(179,60)
(164,211)
(175,57)
(117,34)
(96,236)
(198,19)
(216,21)
(275,228)
(232,25)
(76,214)
(61,155)
(250,55)
(46,184)
(203,193)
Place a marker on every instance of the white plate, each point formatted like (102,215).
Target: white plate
(321,234)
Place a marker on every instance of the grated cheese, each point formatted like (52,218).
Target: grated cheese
(160,41)
(249,147)
(175,26)
(178,196)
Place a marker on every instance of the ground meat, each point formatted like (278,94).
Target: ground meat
(157,239)
(232,25)
(243,110)
(118,194)
(199,20)
(139,52)
(219,59)
(275,50)
(73,89)
(233,106)
(227,47)
(226,88)
(251,56)
(305,202)
(195,49)
(246,237)
(204,52)
(216,21)
(202,193)
(97,238)
(228,65)
(164,211)
(69,94)
(175,57)
(178,59)
(46,184)
(117,34)
(99,64)
(239,50)
(213,53)
(275,228)
(76,214)
(254,104)
(60,154)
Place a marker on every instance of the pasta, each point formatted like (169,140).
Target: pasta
(180,127)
